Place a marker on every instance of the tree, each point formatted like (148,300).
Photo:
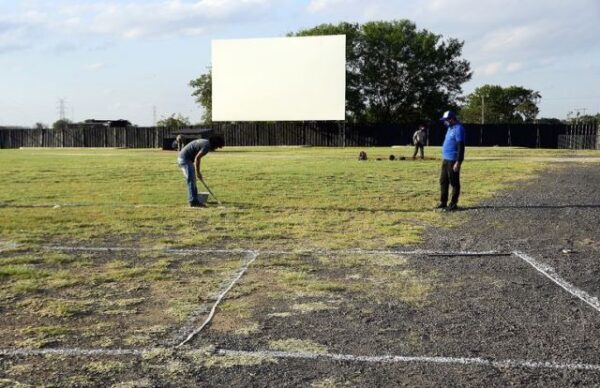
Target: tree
(495,104)
(394,72)
(407,74)
(203,92)
(61,124)
(549,121)
(174,121)
(583,119)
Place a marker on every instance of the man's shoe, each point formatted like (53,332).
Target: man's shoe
(440,207)
(452,207)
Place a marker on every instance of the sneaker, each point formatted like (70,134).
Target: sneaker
(440,207)
(453,207)
(196,204)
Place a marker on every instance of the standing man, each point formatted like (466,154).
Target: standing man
(419,140)
(179,141)
(453,154)
(189,159)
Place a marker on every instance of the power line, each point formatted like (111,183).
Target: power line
(61,108)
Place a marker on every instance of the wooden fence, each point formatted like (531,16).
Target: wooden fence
(331,134)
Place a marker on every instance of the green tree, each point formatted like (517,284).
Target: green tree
(549,121)
(174,121)
(583,119)
(203,92)
(394,72)
(407,74)
(495,104)
(61,124)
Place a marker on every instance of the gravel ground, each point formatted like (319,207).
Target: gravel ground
(492,307)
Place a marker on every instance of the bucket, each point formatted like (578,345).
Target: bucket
(203,197)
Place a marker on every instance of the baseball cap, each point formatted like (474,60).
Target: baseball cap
(448,115)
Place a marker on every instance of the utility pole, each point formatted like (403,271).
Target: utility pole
(483,109)
(61,109)
(578,112)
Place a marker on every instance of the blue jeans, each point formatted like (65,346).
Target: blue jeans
(189,172)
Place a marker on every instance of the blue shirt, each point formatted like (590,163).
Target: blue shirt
(454,135)
(189,152)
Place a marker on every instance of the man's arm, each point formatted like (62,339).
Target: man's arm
(461,156)
(197,164)
(460,138)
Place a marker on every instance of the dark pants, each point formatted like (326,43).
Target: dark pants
(419,147)
(449,177)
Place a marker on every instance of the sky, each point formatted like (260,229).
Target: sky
(133,59)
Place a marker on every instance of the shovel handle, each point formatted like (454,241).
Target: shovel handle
(210,191)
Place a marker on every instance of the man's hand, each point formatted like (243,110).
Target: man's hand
(198,175)
(456,167)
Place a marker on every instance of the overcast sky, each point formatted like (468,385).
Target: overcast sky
(120,59)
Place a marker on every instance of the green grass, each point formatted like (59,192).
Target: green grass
(71,298)
(278,197)
(292,197)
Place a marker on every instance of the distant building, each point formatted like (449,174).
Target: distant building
(120,123)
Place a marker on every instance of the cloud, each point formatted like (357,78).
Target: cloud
(497,68)
(315,6)
(489,69)
(76,25)
(132,20)
(95,66)
(18,32)
(501,36)
(514,67)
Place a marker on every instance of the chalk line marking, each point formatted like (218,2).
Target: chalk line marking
(74,352)
(551,274)
(281,252)
(388,359)
(218,301)
(408,359)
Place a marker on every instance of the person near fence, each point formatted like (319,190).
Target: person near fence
(419,139)
(179,142)
(453,154)
(189,159)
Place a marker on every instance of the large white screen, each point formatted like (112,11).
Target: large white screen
(279,79)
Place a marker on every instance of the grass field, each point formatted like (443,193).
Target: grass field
(292,197)
(274,198)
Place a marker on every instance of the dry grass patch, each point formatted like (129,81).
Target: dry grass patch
(297,345)
(312,307)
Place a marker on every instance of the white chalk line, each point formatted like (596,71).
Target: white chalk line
(415,252)
(218,301)
(541,267)
(551,274)
(423,359)
(388,359)
(74,352)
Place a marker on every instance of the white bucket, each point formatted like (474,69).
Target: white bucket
(203,197)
